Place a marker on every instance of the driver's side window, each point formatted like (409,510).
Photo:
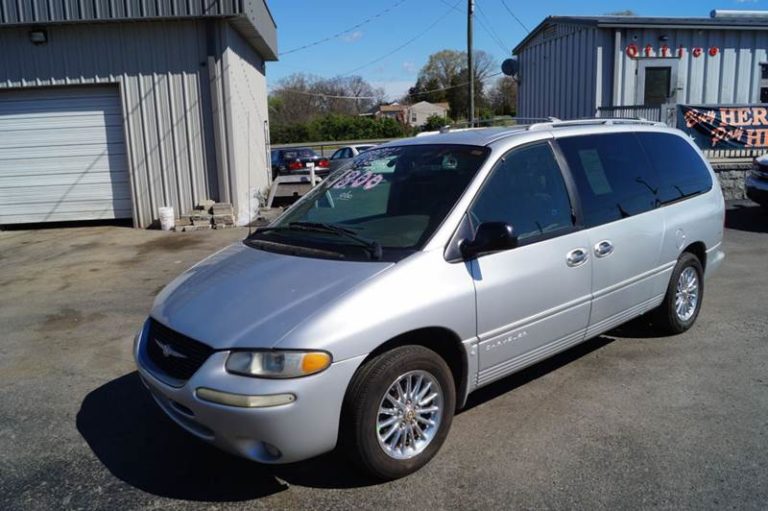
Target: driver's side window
(527,191)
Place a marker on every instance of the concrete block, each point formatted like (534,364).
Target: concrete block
(205,205)
(222,208)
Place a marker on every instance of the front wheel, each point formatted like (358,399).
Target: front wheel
(398,411)
(685,292)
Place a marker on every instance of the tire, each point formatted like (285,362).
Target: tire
(362,429)
(667,317)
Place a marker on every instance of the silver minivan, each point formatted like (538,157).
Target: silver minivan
(425,269)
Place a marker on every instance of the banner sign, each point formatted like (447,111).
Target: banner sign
(725,126)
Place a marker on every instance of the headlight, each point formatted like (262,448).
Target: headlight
(277,364)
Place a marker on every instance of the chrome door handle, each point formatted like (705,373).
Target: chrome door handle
(603,248)
(576,257)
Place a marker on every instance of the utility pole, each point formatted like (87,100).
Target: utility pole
(470,68)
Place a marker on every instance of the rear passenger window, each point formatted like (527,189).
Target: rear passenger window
(527,191)
(681,171)
(614,178)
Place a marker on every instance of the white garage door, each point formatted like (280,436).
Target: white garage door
(62,156)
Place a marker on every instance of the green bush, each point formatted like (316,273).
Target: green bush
(337,127)
(435,122)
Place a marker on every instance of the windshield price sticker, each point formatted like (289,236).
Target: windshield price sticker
(358,179)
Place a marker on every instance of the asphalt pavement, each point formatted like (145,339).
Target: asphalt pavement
(625,421)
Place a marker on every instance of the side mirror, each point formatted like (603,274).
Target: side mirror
(490,237)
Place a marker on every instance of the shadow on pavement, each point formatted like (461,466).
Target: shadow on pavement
(544,367)
(139,445)
(746,217)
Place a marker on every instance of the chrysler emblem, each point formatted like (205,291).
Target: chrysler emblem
(168,351)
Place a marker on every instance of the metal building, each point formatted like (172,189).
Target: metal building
(112,109)
(573,67)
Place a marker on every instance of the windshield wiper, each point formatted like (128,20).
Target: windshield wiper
(372,247)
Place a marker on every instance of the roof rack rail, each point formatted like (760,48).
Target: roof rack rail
(604,121)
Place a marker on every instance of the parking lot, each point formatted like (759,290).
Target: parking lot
(627,420)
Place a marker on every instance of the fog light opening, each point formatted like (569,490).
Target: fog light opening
(271,450)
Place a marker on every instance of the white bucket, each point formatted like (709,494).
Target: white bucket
(167,218)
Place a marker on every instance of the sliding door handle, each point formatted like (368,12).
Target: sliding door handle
(576,257)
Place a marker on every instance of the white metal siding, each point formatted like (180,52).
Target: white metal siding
(62,156)
(561,73)
(731,76)
(163,82)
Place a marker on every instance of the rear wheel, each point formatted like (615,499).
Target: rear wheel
(684,295)
(398,411)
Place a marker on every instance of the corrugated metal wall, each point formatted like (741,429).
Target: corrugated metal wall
(38,11)
(245,103)
(161,70)
(732,76)
(562,73)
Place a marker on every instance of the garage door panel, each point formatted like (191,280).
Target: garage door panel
(104,177)
(53,194)
(59,152)
(96,210)
(27,167)
(97,135)
(48,106)
(62,156)
(65,121)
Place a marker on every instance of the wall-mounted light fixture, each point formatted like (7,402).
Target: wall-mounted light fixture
(664,38)
(38,36)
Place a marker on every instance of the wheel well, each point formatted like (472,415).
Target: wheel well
(700,251)
(442,341)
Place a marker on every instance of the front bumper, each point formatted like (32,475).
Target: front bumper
(286,433)
(757,189)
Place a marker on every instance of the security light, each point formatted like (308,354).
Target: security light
(38,37)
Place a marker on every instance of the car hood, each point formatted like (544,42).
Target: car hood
(242,297)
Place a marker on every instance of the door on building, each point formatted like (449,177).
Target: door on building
(62,155)
(657,81)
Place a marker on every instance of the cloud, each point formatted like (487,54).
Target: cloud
(352,37)
(409,67)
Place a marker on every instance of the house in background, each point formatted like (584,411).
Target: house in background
(415,115)
(418,113)
(394,111)
(111,110)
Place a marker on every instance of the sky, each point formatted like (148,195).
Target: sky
(388,41)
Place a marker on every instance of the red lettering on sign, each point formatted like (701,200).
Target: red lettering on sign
(632,50)
(713,51)
(697,52)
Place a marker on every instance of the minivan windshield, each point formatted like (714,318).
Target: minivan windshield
(385,204)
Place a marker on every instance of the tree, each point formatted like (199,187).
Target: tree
(434,122)
(502,96)
(300,97)
(445,78)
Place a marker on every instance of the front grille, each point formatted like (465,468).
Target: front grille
(175,354)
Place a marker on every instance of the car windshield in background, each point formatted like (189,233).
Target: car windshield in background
(389,198)
(299,153)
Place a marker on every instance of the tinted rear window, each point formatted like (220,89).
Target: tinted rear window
(296,154)
(681,171)
(614,178)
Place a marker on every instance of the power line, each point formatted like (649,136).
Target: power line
(350,29)
(483,26)
(334,96)
(489,29)
(408,42)
(513,15)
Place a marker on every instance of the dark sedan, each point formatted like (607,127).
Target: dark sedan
(297,160)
